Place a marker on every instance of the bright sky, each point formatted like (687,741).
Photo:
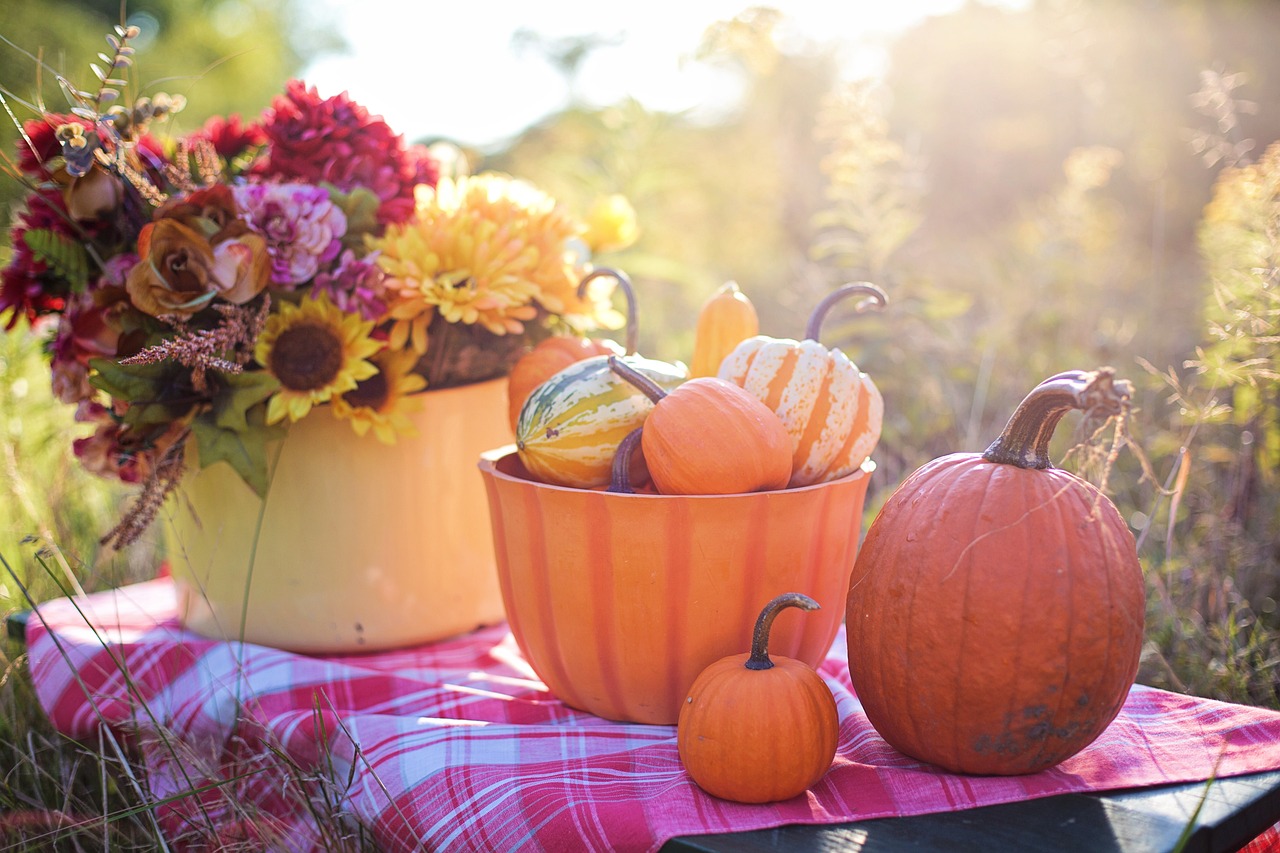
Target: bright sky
(433,68)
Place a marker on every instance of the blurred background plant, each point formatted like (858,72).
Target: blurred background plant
(1067,183)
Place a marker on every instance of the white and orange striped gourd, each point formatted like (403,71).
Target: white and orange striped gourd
(831,409)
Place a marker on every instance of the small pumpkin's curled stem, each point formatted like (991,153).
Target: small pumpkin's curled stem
(877,300)
(627,291)
(759,658)
(620,474)
(638,379)
(1025,440)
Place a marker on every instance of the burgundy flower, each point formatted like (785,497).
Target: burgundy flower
(336,140)
(44,144)
(28,288)
(115,450)
(230,136)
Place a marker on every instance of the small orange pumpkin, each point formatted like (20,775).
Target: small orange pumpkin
(755,729)
(995,613)
(557,352)
(709,437)
(727,319)
(831,409)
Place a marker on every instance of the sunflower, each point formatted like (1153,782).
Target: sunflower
(383,401)
(487,250)
(316,351)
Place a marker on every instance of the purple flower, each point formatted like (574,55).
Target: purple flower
(302,227)
(356,286)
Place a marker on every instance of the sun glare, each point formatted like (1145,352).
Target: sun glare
(491,83)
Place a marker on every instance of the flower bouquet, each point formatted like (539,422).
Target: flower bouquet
(209,293)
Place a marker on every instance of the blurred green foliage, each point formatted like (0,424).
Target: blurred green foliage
(225,56)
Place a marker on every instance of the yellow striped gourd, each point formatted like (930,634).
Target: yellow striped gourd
(831,409)
(571,425)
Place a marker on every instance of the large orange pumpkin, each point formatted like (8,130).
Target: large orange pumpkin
(557,352)
(995,612)
(831,409)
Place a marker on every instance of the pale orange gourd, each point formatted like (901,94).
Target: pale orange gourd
(727,319)
(709,437)
(557,352)
(831,409)
(756,729)
(995,614)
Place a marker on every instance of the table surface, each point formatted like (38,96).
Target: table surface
(1214,817)
(1231,812)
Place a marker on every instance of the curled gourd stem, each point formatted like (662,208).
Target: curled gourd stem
(1025,440)
(759,658)
(636,378)
(628,292)
(620,474)
(877,299)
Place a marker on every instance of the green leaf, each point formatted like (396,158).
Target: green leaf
(156,393)
(237,394)
(129,382)
(244,450)
(65,256)
(361,209)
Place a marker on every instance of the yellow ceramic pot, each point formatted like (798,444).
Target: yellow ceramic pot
(362,546)
(619,601)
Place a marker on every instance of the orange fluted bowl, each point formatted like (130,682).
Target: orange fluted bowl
(619,601)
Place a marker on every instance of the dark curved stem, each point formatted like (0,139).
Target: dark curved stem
(1025,440)
(636,378)
(877,299)
(620,474)
(633,329)
(760,637)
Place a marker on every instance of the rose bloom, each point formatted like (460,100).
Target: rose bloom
(85,331)
(115,451)
(181,271)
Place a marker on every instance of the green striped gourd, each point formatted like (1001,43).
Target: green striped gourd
(571,425)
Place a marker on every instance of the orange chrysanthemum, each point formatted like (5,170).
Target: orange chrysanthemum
(486,249)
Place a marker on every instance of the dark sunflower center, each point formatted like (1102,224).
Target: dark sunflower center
(372,393)
(306,357)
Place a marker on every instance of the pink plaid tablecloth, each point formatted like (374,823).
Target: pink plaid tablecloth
(458,746)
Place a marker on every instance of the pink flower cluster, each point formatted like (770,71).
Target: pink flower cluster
(303,228)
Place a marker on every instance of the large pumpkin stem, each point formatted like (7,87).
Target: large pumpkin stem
(650,388)
(877,300)
(1025,440)
(760,637)
(628,291)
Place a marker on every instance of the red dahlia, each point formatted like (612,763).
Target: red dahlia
(336,140)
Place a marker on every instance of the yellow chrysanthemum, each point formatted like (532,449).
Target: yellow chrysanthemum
(486,249)
(383,402)
(316,350)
